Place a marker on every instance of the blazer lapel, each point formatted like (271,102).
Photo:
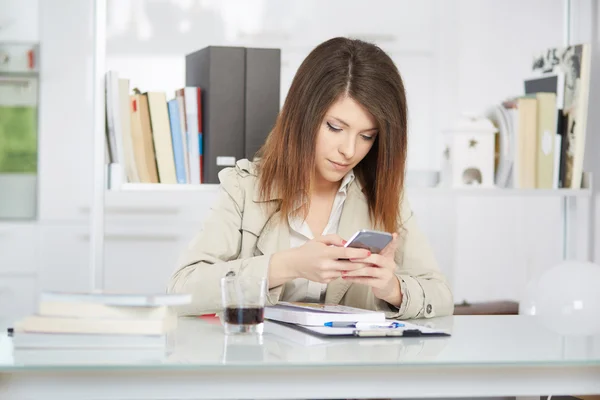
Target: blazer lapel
(275,235)
(355,216)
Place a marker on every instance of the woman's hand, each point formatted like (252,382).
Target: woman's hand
(322,260)
(379,274)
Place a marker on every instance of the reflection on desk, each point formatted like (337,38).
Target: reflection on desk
(475,340)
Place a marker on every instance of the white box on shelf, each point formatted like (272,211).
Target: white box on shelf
(472,152)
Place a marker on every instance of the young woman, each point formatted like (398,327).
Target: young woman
(333,164)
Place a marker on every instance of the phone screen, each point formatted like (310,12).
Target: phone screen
(374,241)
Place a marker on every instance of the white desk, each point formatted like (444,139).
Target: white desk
(486,356)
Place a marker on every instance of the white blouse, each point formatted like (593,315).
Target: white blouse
(301,289)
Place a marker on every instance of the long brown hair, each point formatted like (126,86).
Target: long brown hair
(338,67)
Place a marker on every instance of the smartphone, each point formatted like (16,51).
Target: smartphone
(374,241)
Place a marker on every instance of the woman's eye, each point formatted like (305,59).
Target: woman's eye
(333,128)
(367,137)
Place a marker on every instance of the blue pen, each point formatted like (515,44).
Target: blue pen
(363,325)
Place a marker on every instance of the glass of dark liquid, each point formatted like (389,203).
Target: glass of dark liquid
(244,304)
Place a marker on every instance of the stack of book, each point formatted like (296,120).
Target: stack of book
(96,327)
(542,131)
(152,139)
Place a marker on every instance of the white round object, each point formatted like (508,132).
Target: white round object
(567,299)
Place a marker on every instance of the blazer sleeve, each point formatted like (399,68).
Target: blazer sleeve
(215,251)
(425,290)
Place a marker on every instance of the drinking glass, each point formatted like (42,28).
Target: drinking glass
(243,304)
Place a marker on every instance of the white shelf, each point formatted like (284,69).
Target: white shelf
(498,192)
(419,191)
(164,187)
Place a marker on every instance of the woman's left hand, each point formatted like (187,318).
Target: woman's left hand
(380,276)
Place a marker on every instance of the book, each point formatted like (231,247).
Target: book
(313,314)
(119,299)
(185,143)
(129,164)
(92,357)
(85,309)
(37,323)
(545,84)
(42,340)
(141,131)
(526,143)
(161,135)
(178,146)
(191,96)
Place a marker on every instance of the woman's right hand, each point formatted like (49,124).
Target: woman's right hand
(322,260)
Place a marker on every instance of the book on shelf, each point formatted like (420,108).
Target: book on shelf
(161,134)
(141,132)
(190,98)
(179,147)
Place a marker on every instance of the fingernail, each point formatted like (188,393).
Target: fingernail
(369,253)
(344,241)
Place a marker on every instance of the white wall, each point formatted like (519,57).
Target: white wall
(455,56)
(19,254)
(588,25)
(19,21)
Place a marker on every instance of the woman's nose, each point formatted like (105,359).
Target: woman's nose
(348,146)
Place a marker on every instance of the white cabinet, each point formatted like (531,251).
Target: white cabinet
(160,206)
(501,247)
(141,258)
(19,261)
(18,296)
(18,248)
(65,257)
(146,233)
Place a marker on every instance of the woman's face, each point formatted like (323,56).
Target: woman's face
(345,136)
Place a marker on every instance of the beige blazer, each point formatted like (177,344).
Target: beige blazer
(242,232)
